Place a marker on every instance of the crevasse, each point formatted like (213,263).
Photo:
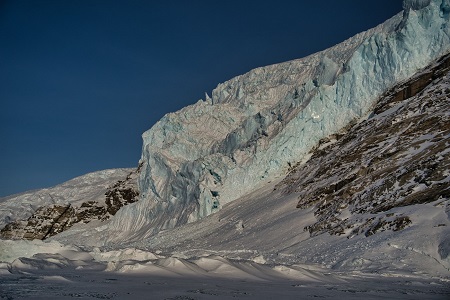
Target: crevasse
(255,125)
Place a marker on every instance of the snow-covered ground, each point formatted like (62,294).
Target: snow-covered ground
(94,285)
(68,272)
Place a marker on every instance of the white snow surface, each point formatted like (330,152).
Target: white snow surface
(210,153)
(66,276)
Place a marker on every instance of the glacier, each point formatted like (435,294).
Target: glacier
(254,127)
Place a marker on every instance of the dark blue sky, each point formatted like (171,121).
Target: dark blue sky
(80,81)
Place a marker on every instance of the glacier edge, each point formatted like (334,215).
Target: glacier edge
(255,125)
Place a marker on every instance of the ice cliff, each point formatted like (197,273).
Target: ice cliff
(256,125)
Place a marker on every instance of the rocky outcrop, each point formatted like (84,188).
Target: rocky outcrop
(50,220)
(122,193)
(45,222)
(399,156)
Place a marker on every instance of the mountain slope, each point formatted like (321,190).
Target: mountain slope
(398,157)
(401,225)
(254,126)
(43,213)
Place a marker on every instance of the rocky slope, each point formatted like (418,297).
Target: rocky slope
(95,196)
(399,156)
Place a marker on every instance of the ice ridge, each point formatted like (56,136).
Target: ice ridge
(256,125)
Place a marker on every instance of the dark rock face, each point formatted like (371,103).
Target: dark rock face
(121,193)
(50,220)
(397,157)
(45,222)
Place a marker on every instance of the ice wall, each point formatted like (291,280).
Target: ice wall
(415,4)
(255,125)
